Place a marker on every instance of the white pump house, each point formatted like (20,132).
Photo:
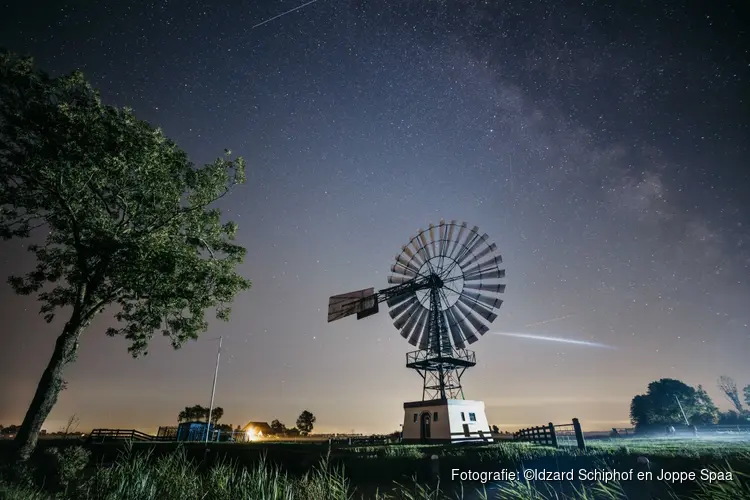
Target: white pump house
(445,421)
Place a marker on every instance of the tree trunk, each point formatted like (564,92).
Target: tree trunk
(48,389)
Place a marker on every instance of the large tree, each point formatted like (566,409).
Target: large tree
(305,422)
(215,414)
(728,387)
(128,221)
(277,426)
(664,403)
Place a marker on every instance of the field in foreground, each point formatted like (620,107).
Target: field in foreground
(263,471)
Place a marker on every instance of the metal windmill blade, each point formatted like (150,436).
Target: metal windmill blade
(463,325)
(453,271)
(421,329)
(411,324)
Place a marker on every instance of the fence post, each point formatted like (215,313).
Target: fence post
(552,434)
(579,434)
(435,467)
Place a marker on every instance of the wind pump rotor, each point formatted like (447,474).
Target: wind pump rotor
(451,274)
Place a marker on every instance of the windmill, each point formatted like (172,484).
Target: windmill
(446,287)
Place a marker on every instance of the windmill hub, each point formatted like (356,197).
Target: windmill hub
(435,281)
(443,273)
(445,292)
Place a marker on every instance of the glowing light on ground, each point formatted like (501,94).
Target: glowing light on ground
(253,435)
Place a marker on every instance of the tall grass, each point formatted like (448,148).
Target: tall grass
(143,476)
(725,490)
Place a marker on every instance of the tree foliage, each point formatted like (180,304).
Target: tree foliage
(641,411)
(200,413)
(704,411)
(732,417)
(305,422)
(277,426)
(659,406)
(126,213)
(127,221)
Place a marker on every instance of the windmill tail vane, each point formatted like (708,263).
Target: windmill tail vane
(446,288)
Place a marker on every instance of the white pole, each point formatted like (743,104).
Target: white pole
(683,411)
(213,391)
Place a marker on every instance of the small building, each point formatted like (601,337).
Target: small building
(445,421)
(192,431)
(256,430)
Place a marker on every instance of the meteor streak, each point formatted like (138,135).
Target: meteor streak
(554,339)
(283,14)
(549,321)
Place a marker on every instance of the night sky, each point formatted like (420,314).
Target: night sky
(602,145)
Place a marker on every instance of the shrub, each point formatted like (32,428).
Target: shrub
(62,468)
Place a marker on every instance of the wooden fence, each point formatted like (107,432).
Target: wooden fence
(170,434)
(553,435)
(363,440)
(101,435)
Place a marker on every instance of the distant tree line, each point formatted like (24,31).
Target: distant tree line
(305,423)
(672,402)
(197,413)
(10,430)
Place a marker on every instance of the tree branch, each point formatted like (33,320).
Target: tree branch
(187,210)
(210,250)
(99,195)
(91,312)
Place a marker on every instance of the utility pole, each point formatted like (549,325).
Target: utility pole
(213,390)
(683,411)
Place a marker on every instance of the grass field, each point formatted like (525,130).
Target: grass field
(261,471)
